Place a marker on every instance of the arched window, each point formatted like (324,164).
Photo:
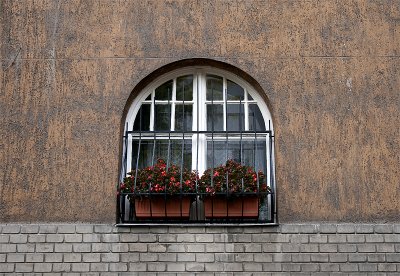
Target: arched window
(194,119)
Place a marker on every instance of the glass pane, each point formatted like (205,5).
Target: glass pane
(164,91)
(214,88)
(163,148)
(184,88)
(250,153)
(148,98)
(235,117)
(234,91)
(183,117)
(249,97)
(142,120)
(215,117)
(162,117)
(256,120)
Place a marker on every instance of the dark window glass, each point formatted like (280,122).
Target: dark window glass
(234,91)
(235,117)
(164,91)
(215,117)
(142,120)
(256,120)
(162,117)
(184,88)
(214,88)
(183,117)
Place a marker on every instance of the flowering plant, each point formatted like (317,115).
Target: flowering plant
(232,178)
(160,179)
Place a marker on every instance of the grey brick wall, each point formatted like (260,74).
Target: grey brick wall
(289,249)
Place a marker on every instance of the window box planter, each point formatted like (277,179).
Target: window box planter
(159,207)
(221,206)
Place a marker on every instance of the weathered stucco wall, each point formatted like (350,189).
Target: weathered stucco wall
(330,70)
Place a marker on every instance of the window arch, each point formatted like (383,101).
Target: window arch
(198,118)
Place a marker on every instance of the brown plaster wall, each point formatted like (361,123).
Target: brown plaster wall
(330,70)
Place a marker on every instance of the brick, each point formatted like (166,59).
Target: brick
(232,230)
(291,267)
(357,257)
(347,248)
(20,238)
(23,267)
(196,229)
(301,258)
(338,238)
(328,228)
(393,258)
(103,228)
(309,267)
(348,267)
(281,257)
(15,258)
(8,248)
(395,238)
(292,248)
(186,257)
(118,267)
(91,238)
(194,267)
(215,267)
(83,229)
(195,248)
(99,267)
(328,248)
(54,238)
(38,238)
(239,248)
(175,267)
(215,247)
(109,257)
(233,267)
(383,228)
(176,230)
(72,257)
(301,238)
(167,257)
(110,238)
(156,267)
(376,258)
(204,257)
(148,257)
(73,237)
(47,229)
(29,229)
(120,247)
(385,247)
(396,228)
(320,258)
(61,267)
(62,247)
(367,267)
(253,229)
(171,248)
(42,267)
(248,257)
(309,248)
(53,257)
(252,267)
(25,248)
(329,267)
(44,247)
(387,267)
(101,247)
(244,238)
(166,238)
(7,267)
(82,247)
(157,248)
(366,248)
(357,238)
(272,267)
(272,247)
(66,229)
(128,237)
(318,238)
(346,228)
(227,257)
(252,247)
(91,257)
(148,238)
(205,238)
(4,238)
(11,229)
(137,267)
(290,228)
(365,228)
(3,258)
(80,267)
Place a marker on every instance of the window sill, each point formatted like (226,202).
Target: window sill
(199,224)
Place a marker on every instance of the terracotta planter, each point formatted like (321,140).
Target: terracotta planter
(161,209)
(232,207)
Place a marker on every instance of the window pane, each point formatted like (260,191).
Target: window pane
(142,120)
(249,97)
(215,117)
(214,88)
(164,91)
(162,117)
(234,91)
(235,117)
(184,88)
(163,147)
(251,153)
(256,120)
(148,98)
(183,117)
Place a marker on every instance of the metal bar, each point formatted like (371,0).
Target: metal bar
(197,147)
(183,147)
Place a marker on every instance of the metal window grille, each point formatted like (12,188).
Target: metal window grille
(188,141)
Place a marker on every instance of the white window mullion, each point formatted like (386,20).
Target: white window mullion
(246,111)
(152,110)
(224,110)
(172,102)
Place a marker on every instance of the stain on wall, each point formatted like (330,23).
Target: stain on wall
(330,71)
